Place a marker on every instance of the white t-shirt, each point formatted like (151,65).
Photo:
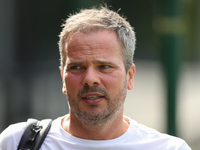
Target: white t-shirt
(137,137)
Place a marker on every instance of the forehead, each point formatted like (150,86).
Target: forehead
(93,43)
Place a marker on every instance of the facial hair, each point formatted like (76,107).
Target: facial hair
(91,118)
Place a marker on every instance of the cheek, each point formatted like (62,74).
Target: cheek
(114,82)
(72,83)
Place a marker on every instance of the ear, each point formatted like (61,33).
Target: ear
(130,77)
(63,81)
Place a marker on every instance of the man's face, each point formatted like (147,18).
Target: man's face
(94,77)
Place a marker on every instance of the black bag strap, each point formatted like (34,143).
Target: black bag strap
(34,134)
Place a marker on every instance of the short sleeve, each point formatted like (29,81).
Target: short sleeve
(10,137)
(185,147)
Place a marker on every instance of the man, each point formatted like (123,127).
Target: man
(96,49)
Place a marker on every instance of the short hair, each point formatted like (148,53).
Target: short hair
(94,19)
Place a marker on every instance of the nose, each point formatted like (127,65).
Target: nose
(91,77)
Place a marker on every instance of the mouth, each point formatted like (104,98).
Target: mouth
(93,99)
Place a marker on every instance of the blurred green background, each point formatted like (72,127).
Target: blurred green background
(167,84)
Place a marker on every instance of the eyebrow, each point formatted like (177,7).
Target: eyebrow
(76,63)
(104,62)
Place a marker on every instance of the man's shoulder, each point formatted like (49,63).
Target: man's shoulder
(10,137)
(150,136)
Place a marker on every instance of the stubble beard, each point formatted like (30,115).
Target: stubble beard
(91,118)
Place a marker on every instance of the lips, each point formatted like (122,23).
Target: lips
(93,98)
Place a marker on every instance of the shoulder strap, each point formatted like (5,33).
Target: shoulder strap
(34,134)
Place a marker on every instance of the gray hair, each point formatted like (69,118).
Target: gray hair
(90,20)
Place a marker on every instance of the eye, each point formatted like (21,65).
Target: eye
(75,67)
(104,67)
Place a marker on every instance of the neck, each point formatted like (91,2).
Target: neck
(110,130)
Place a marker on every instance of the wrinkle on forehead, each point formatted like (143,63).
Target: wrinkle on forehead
(93,46)
(76,37)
